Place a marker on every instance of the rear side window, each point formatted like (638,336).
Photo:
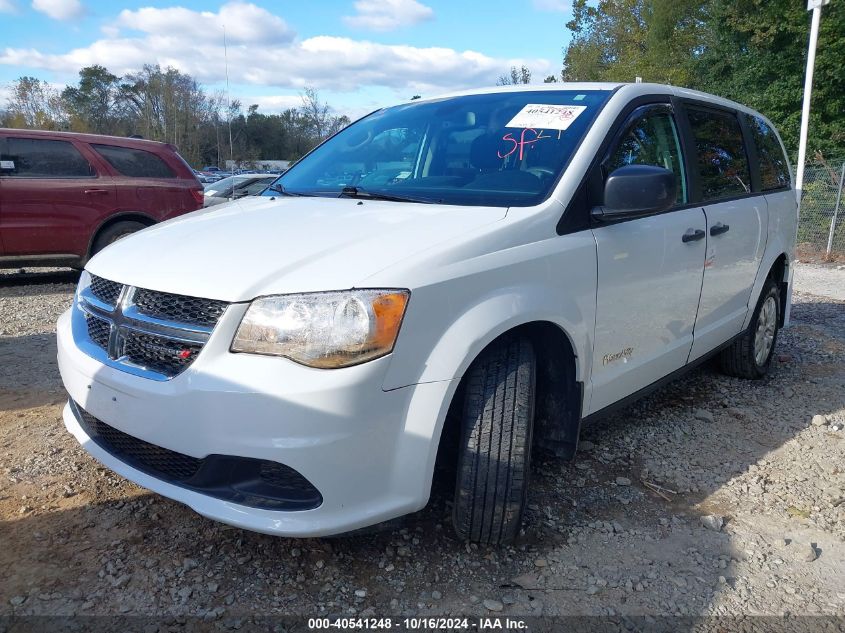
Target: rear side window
(44,158)
(774,168)
(720,154)
(135,163)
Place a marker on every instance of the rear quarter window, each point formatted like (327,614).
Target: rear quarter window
(720,154)
(774,168)
(135,163)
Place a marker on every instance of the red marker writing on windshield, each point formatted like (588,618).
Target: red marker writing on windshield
(521,143)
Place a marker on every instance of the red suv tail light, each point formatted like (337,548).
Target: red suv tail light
(198,195)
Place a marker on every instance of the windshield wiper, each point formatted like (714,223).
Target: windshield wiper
(357,192)
(279,188)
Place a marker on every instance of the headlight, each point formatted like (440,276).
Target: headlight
(323,329)
(84,282)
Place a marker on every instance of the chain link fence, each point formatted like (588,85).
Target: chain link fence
(821,226)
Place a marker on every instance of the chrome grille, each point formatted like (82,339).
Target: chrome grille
(158,353)
(152,334)
(98,330)
(105,290)
(179,308)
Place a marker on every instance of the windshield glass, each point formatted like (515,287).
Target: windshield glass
(499,149)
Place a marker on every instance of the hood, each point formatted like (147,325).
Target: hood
(261,246)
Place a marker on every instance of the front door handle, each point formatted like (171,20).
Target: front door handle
(719,228)
(693,235)
(94,192)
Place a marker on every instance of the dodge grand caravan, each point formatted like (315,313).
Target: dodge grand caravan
(65,196)
(488,270)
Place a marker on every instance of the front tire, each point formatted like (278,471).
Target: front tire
(750,356)
(495,449)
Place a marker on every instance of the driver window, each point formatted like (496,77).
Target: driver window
(651,139)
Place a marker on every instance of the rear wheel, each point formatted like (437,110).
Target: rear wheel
(495,448)
(113,233)
(750,356)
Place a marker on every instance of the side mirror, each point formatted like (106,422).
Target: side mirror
(635,191)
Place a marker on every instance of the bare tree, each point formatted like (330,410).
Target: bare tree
(517,76)
(34,103)
(316,112)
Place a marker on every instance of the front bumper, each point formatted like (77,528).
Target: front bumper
(370,453)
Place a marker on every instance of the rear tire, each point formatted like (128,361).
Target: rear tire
(495,450)
(113,233)
(750,356)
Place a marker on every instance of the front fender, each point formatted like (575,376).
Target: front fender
(451,321)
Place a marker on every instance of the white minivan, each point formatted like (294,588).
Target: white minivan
(481,272)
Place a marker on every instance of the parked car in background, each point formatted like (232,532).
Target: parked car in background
(235,187)
(66,196)
(460,278)
(203,178)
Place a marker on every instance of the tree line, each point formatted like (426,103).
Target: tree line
(170,106)
(751,51)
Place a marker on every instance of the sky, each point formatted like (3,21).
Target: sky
(359,54)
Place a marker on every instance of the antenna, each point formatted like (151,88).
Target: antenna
(228,98)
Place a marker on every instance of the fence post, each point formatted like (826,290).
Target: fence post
(835,212)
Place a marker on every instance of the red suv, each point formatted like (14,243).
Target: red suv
(65,196)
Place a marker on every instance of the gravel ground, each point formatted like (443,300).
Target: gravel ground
(827,281)
(714,496)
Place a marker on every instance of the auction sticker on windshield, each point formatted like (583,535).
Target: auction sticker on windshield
(546,117)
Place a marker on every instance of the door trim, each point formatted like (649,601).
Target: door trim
(657,384)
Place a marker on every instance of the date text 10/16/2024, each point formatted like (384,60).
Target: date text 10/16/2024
(419,624)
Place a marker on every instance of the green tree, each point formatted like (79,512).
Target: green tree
(755,52)
(751,51)
(95,104)
(608,40)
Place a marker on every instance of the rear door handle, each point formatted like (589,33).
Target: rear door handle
(719,228)
(94,192)
(693,235)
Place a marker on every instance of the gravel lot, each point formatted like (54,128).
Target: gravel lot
(714,496)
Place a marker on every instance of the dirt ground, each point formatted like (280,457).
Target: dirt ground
(714,496)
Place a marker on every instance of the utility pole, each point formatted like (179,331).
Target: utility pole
(816,7)
(228,98)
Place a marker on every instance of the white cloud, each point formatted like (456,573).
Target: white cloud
(269,104)
(244,22)
(386,15)
(555,6)
(335,63)
(59,9)
(263,51)
(8,6)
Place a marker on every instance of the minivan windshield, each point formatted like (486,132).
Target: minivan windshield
(499,149)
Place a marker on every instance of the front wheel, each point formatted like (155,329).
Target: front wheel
(495,449)
(750,356)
